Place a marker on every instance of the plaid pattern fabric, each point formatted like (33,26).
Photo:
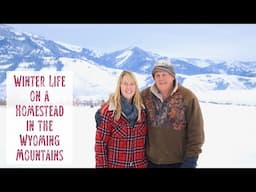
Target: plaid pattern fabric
(119,144)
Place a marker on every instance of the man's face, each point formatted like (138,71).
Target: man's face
(164,81)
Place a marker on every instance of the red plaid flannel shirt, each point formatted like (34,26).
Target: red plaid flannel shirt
(118,143)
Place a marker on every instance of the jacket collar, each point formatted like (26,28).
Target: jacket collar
(111,106)
(157,93)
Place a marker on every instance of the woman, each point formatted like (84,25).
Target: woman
(121,131)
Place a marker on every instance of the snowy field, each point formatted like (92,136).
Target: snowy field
(229,137)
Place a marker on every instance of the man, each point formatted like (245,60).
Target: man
(175,122)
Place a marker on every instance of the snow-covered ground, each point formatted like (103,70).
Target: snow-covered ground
(229,137)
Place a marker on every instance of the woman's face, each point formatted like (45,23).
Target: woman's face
(128,87)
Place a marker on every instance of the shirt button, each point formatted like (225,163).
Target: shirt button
(131,164)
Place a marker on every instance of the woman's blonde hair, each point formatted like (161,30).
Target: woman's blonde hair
(115,98)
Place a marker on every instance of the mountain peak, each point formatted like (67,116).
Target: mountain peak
(135,49)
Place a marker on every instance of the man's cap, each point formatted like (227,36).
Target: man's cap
(163,65)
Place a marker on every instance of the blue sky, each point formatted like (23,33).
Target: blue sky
(206,41)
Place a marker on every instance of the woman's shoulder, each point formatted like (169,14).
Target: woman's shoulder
(104,108)
(107,109)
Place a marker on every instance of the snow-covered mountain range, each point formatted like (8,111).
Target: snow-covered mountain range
(95,74)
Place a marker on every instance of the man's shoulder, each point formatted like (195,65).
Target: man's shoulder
(186,92)
(184,89)
(145,91)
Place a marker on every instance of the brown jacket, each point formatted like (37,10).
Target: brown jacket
(175,125)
